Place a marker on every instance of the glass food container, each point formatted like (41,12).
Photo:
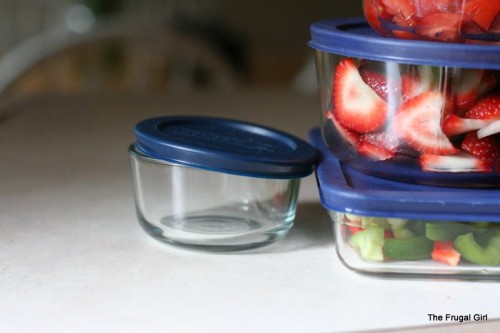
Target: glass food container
(464,21)
(414,111)
(388,227)
(216,184)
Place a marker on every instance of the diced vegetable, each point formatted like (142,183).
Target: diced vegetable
(369,242)
(445,253)
(488,255)
(445,231)
(408,249)
(403,233)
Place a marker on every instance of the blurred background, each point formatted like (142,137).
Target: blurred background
(69,46)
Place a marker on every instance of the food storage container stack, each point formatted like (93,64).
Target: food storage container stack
(410,139)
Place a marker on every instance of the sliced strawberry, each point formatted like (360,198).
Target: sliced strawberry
(462,162)
(376,80)
(443,27)
(490,129)
(466,88)
(418,123)
(454,125)
(486,149)
(415,81)
(357,106)
(373,151)
(488,107)
(349,136)
(445,253)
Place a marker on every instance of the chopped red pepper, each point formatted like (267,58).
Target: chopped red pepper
(353,229)
(445,253)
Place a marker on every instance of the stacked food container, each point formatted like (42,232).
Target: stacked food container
(410,136)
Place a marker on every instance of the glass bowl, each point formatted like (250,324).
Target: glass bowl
(216,184)
(408,110)
(387,227)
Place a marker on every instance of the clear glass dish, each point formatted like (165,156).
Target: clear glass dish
(215,184)
(388,228)
(407,110)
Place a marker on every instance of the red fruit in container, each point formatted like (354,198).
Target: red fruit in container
(486,149)
(404,110)
(487,108)
(464,21)
(458,163)
(418,123)
(357,106)
(440,27)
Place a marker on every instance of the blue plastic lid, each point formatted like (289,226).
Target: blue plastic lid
(353,37)
(227,146)
(346,190)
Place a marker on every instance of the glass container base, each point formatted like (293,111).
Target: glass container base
(215,231)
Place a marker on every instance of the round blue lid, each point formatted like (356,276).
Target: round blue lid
(353,37)
(224,145)
(347,190)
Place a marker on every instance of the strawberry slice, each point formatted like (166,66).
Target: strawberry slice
(417,80)
(349,136)
(418,123)
(462,162)
(490,129)
(373,151)
(357,106)
(443,27)
(376,80)
(486,149)
(454,125)
(466,89)
(487,108)
(445,253)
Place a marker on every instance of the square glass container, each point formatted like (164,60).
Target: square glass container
(216,184)
(413,111)
(464,21)
(388,227)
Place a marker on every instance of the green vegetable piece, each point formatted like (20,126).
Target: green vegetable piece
(369,242)
(367,221)
(408,249)
(396,223)
(488,255)
(445,231)
(403,233)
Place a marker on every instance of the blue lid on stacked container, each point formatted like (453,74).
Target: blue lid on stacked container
(344,189)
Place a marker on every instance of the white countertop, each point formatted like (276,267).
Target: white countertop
(73,257)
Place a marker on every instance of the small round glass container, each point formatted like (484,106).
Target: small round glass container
(408,110)
(216,184)
(465,21)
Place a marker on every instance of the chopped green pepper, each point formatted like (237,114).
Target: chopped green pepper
(445,231)
(488,255)
(412,248)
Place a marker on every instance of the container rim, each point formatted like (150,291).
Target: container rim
(353,37)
